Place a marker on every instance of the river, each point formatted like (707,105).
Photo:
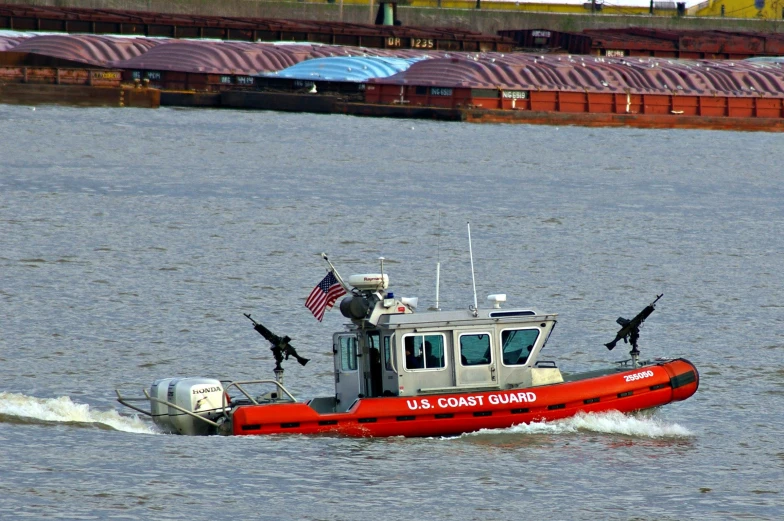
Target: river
(132,241)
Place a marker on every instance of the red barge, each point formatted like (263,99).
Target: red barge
(434,373)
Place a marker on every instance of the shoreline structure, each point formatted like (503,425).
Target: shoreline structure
(491,18)
(499,86)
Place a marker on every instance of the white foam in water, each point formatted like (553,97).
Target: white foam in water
(612,422)
(62,409)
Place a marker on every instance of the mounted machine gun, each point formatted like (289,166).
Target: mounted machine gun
(630,330)
(280,345)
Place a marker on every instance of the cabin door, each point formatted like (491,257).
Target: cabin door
(372,383)
(476,363)
(347,379)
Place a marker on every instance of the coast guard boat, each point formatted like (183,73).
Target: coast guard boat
(404,373)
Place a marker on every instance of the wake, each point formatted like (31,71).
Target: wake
(611,422)
(20,408)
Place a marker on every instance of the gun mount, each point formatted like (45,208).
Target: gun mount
(281,348)
(630,330)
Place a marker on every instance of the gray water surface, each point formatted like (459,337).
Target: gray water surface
(131,242)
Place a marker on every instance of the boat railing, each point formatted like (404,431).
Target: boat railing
(126,402)
(225,405)
(459,388)
(254,401)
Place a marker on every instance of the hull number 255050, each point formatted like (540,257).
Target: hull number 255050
(637,376)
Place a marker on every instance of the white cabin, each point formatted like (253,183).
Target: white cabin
(388,350)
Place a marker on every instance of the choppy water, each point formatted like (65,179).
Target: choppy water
(131,242)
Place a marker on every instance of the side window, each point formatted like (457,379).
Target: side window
(374,340)
(424,351)
(374,348)
(475,349)
(517,345)
(388,354)
(348,353)
(434,352)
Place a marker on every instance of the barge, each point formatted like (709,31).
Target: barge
(478,87)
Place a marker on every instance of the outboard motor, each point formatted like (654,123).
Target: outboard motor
(160,411)
(200,396)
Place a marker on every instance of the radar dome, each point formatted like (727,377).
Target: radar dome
(369,281)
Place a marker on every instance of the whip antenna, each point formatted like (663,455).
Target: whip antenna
(438,279)
(438,265)
(473,279)
(381,260)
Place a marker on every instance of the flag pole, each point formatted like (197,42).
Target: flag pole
(335,272)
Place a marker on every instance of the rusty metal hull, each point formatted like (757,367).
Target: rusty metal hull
(626,104)
(280,101)
(33,85)
(401,111)
(327,104)
(78,95)
(22,73)
(660,121)
(190,99)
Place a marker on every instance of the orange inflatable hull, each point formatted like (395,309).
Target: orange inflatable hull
(455,413)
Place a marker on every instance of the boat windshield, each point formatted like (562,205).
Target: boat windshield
(517,345)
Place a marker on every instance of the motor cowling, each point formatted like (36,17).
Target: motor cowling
(200,396)
(160,411)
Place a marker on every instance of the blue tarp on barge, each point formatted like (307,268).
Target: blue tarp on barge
(344,69)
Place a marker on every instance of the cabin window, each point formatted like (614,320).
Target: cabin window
(475,349)
(517,345)
(388,354)
(348,353)
(424,351)
(374,339)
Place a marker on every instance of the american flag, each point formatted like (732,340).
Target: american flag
(324,295)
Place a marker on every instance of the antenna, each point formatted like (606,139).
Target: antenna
(473,279)
(438,280)
(438,266)
(381,259)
